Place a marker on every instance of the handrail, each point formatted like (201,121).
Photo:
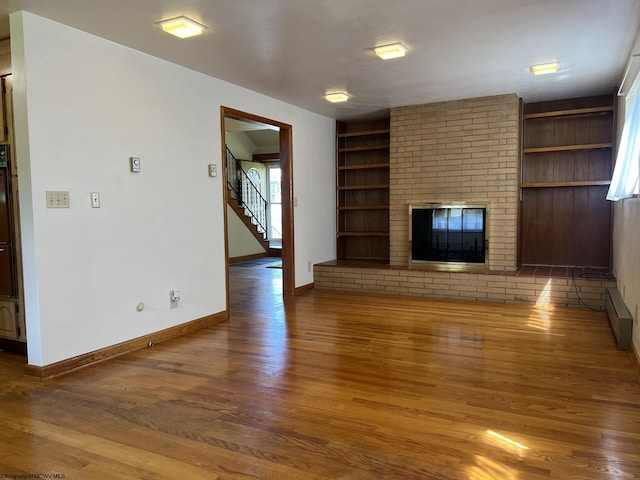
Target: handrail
(248,195)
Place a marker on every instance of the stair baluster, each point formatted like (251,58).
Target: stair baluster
(248,196)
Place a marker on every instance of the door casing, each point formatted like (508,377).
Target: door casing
(286,167)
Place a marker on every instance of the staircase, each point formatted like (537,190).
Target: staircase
(246,200)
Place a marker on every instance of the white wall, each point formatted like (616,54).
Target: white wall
(626,249)
(626,255)
(240,145)
(315,226)
(84,105)
(241,241)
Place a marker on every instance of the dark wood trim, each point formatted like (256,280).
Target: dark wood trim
(286,168)
(250,117)
(304,289)
(379,131)
(520,192)
(364,187)
(288,240)
(71,364)
(364,207)
(247,258)
(587,183)
(266,157)
(567,148)
(363,234)
(363,148)
(225,202)
(572,111)
(635,360)
(368,166)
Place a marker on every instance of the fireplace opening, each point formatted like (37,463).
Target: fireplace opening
(448,234)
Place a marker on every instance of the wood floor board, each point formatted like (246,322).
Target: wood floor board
(336,385)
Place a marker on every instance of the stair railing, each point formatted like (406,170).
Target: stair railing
(248,196)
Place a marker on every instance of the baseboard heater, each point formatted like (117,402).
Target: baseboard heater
(620,318)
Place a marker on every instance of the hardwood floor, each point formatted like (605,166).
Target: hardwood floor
(340,386)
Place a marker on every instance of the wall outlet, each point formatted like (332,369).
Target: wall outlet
(308,266)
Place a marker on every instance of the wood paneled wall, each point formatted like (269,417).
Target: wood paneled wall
(566,168)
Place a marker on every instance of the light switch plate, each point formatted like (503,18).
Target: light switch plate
(57,199)
(95,200)
(134,164)
(213,170)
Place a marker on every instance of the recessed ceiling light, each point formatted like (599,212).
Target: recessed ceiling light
(182,27)
(544,68)
(393,50)
(336,97)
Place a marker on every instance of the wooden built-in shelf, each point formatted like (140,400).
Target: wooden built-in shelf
(363,166)
(380,131)
(588,183)
(363,234)
(363,187)
(362,200)
(573,111)
(567,160)
(382,146)
(567,148)
(364,207)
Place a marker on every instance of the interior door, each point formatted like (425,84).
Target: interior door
(6,247)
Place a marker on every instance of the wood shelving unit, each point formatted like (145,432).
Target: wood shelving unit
(567,161)
(364,187)
(573,111)
(363,167)
(567,148)
(362,191)
(592,183)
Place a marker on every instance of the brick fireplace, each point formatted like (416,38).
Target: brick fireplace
(452,152)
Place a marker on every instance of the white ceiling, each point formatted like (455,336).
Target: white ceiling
(264,137)
(297,50)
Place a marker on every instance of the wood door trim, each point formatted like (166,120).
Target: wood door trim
(635,360)
(286,168)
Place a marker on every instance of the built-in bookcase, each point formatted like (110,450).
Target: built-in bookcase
(567,161)
(362,162)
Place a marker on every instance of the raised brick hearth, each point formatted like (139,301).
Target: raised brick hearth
(557,286)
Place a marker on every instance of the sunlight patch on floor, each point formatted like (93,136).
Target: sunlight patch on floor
(487,469)
(541,318)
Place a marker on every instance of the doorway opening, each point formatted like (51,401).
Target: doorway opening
(278,197)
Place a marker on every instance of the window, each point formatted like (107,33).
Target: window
(254,176)
(275,202)
(627,170)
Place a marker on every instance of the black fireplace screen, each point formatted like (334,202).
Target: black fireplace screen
(448,234)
